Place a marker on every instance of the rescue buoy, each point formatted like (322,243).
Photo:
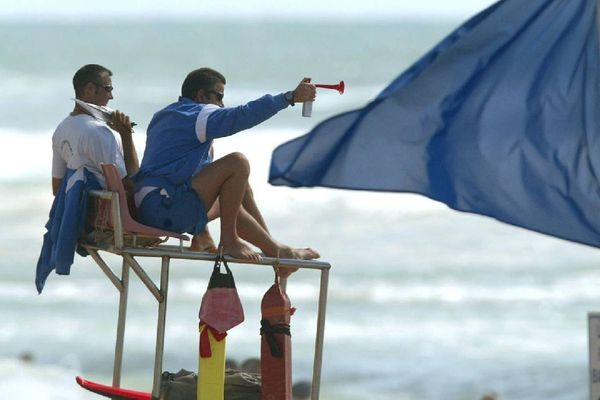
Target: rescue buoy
(220,311)
(211,364)
(276,345)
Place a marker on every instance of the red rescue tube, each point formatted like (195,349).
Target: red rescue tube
(276,345)
(111,391)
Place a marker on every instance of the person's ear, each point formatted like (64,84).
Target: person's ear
(200,96)
(89,89)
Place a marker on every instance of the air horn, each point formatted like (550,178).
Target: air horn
(339,87)
(307,105)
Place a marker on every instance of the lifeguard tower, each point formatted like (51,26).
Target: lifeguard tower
(118,233)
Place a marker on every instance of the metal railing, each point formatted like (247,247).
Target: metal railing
(160,293)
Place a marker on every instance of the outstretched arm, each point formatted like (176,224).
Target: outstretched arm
(214,121)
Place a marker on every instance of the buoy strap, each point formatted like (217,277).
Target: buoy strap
(269,331)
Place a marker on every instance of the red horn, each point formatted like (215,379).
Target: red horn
(339,87)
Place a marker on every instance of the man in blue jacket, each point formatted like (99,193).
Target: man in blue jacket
(178,182)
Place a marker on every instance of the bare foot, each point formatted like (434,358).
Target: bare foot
(285,272)
(298,254)
(237,249)
(203,242)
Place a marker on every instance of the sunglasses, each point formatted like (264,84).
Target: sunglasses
(108,88)
(218,95)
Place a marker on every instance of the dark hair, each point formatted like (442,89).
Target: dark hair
(202,78)
(88,73)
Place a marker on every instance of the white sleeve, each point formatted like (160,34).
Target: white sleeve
(119,160)
(103,147)
(59,166)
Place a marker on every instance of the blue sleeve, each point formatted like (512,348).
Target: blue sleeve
(227,121)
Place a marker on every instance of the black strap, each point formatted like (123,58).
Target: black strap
(219,280)
(269,331)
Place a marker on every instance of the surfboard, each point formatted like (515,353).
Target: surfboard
(111,391)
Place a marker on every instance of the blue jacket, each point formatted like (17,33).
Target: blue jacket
(65,225)
(173,150)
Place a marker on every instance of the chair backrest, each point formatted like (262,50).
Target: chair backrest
(131,226)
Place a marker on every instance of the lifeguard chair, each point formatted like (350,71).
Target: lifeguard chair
(117,232)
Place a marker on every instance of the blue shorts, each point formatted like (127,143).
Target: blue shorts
(176,209)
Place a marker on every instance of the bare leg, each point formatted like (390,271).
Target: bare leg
(250,205)
(215,211)
(249,229)
(227,179)
(204,242)
(254,232)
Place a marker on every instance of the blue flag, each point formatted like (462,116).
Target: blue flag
(501,118)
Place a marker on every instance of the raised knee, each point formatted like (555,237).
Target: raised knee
(240,162)
(249,191)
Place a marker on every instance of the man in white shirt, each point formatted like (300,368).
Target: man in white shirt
(81,140)
(80,144)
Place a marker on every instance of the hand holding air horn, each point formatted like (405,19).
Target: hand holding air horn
(305,94)
(307,105)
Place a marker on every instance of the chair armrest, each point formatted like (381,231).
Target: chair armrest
(102,194)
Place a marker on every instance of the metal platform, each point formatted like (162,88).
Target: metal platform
(130,256)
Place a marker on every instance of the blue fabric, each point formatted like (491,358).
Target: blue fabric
(501,118)
(65,225)
(227,121)
(174,152)
(175,208)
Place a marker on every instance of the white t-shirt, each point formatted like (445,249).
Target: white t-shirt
(83,141)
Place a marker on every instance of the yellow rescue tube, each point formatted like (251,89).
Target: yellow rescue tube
(211,364)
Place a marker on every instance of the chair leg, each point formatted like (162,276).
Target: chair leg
(160,330)
(118,362)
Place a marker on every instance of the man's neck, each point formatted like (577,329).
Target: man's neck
(78,110)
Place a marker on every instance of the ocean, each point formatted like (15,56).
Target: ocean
(425,303)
